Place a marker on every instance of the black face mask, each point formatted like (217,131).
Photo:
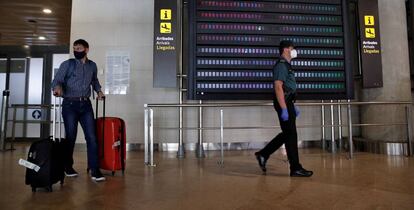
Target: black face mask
(79,55)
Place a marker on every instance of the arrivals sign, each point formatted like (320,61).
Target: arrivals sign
(166,39)
(370,44)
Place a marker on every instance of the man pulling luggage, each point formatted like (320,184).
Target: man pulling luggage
(73,82)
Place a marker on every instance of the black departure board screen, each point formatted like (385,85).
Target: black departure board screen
(233,47)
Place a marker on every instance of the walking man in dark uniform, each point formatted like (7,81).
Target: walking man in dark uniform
(285,92)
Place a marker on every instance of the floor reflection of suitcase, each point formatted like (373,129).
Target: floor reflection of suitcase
(111,142)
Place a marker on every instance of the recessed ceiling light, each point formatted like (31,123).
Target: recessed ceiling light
(26,46)
(47,11)
(42,38)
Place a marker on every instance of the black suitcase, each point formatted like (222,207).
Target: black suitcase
(47,157)
(46,154)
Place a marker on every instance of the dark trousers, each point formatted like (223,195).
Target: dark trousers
(82,112)
(288,136)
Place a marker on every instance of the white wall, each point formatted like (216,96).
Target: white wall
(123,25)
(128,25)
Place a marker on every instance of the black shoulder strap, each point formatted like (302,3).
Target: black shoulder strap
(71,69)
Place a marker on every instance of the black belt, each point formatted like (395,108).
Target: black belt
(77,98)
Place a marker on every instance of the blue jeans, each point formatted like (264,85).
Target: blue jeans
(74,112)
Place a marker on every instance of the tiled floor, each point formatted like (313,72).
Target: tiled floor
(369,181)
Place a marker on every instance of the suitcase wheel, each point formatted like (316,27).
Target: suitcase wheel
(33,189)
(49,189)
(113,173)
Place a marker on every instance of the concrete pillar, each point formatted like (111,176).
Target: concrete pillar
(396,74)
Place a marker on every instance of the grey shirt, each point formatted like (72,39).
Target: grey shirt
(283,72)
(77,82)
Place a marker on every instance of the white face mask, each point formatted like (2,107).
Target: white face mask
(293,54)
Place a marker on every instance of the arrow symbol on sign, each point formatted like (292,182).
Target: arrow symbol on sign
(36,114)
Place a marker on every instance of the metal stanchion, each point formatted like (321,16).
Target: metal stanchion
(146,152)
(199,146)
(409,130)
(340,126)
(181,149)
(151,137)
(221,162)
(323,127)
(3,119)
(333,145)
(350,141)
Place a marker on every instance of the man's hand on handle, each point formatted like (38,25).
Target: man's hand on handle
(101,96)
(57,91)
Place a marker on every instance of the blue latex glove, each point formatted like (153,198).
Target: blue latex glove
(297,111)
(284,115)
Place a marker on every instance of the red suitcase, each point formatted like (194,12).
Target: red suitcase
(111,142)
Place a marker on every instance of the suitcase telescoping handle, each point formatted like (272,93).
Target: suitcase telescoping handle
(103,122)
(97,107)
(58,118)
(123,142)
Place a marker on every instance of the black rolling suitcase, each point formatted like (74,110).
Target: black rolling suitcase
(45,164)
(46,156)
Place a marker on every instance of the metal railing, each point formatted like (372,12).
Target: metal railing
(14,120)
(149,122)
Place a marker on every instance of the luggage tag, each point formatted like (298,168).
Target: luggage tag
(116,144)
(29,165)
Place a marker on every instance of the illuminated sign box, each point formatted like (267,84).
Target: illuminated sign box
(233,47)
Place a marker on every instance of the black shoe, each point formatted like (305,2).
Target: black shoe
(262,161)
(97,176)
(301,173)
(70,172)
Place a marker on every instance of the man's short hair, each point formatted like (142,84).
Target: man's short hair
(81,42)
(285,44)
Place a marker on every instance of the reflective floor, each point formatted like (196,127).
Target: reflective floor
(369,181)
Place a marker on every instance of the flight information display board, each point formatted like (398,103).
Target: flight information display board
(233,47)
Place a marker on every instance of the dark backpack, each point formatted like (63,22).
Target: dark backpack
(69,73)
(71,69)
